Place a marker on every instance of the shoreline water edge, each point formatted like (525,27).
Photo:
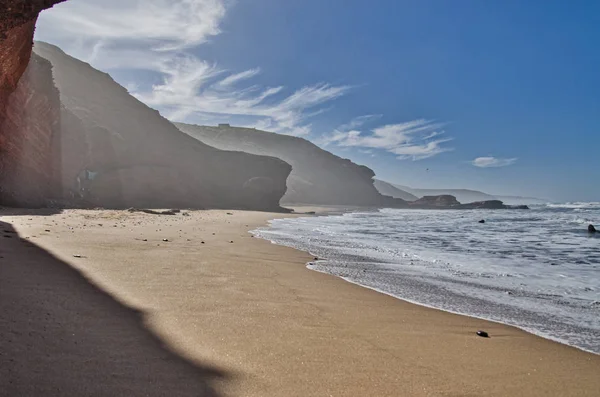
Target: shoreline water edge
(498,292)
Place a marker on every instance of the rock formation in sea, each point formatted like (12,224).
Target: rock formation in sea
(462,195)
(450,202)
(443,201)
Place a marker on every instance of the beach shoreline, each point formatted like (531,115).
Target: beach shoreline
(252,309)
(324,262)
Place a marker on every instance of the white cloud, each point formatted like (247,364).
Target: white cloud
(487,162)
(236,78)
(416,140)
(157,36)
(358,122)
(160,24)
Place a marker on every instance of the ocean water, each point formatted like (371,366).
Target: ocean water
(537,269)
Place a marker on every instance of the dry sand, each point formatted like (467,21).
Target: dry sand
(135,315)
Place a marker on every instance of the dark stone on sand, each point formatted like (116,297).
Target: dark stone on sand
(483,334)
(591,229)
(482,221)
(316,258)
(167,212)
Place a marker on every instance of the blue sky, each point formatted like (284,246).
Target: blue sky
(501,96)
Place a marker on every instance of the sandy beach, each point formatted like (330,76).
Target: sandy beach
(136,304)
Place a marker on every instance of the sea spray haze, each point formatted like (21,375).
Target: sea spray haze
(538,270)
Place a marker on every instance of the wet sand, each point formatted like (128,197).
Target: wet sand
(236,316)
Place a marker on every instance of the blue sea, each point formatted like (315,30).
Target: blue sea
(536,269)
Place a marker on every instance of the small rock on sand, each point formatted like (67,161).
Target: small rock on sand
(483,334)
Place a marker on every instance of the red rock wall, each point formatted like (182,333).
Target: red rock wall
(17,24)
(29,108)
(31,122)
(15,51)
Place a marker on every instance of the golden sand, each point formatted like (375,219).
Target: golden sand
(255,322)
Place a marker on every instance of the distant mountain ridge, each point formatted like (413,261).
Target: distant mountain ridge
(462,195)
(388,189)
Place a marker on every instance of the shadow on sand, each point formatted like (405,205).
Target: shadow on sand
(62,336)
(14,211)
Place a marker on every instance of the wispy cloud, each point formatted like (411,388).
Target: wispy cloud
(487,162)
(358,122)
(236,78)
(160,24)
(157,36)
(416,140)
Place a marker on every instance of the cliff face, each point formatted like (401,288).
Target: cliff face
(318,177)
(28,128)
(116,152)
(29,108)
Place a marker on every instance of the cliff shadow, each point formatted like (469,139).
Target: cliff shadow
(62,336)
(14,211)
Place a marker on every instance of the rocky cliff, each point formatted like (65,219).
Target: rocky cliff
(442,201)
(318,177)
(462,195)
(29,108)
(450,202)
(114,151)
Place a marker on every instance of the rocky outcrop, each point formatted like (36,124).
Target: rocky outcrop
(443,201)
(116,152)
(462,195)
(592,229)
(489,204)
(17,12)
(318,177)
(29,108)
(450,202)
